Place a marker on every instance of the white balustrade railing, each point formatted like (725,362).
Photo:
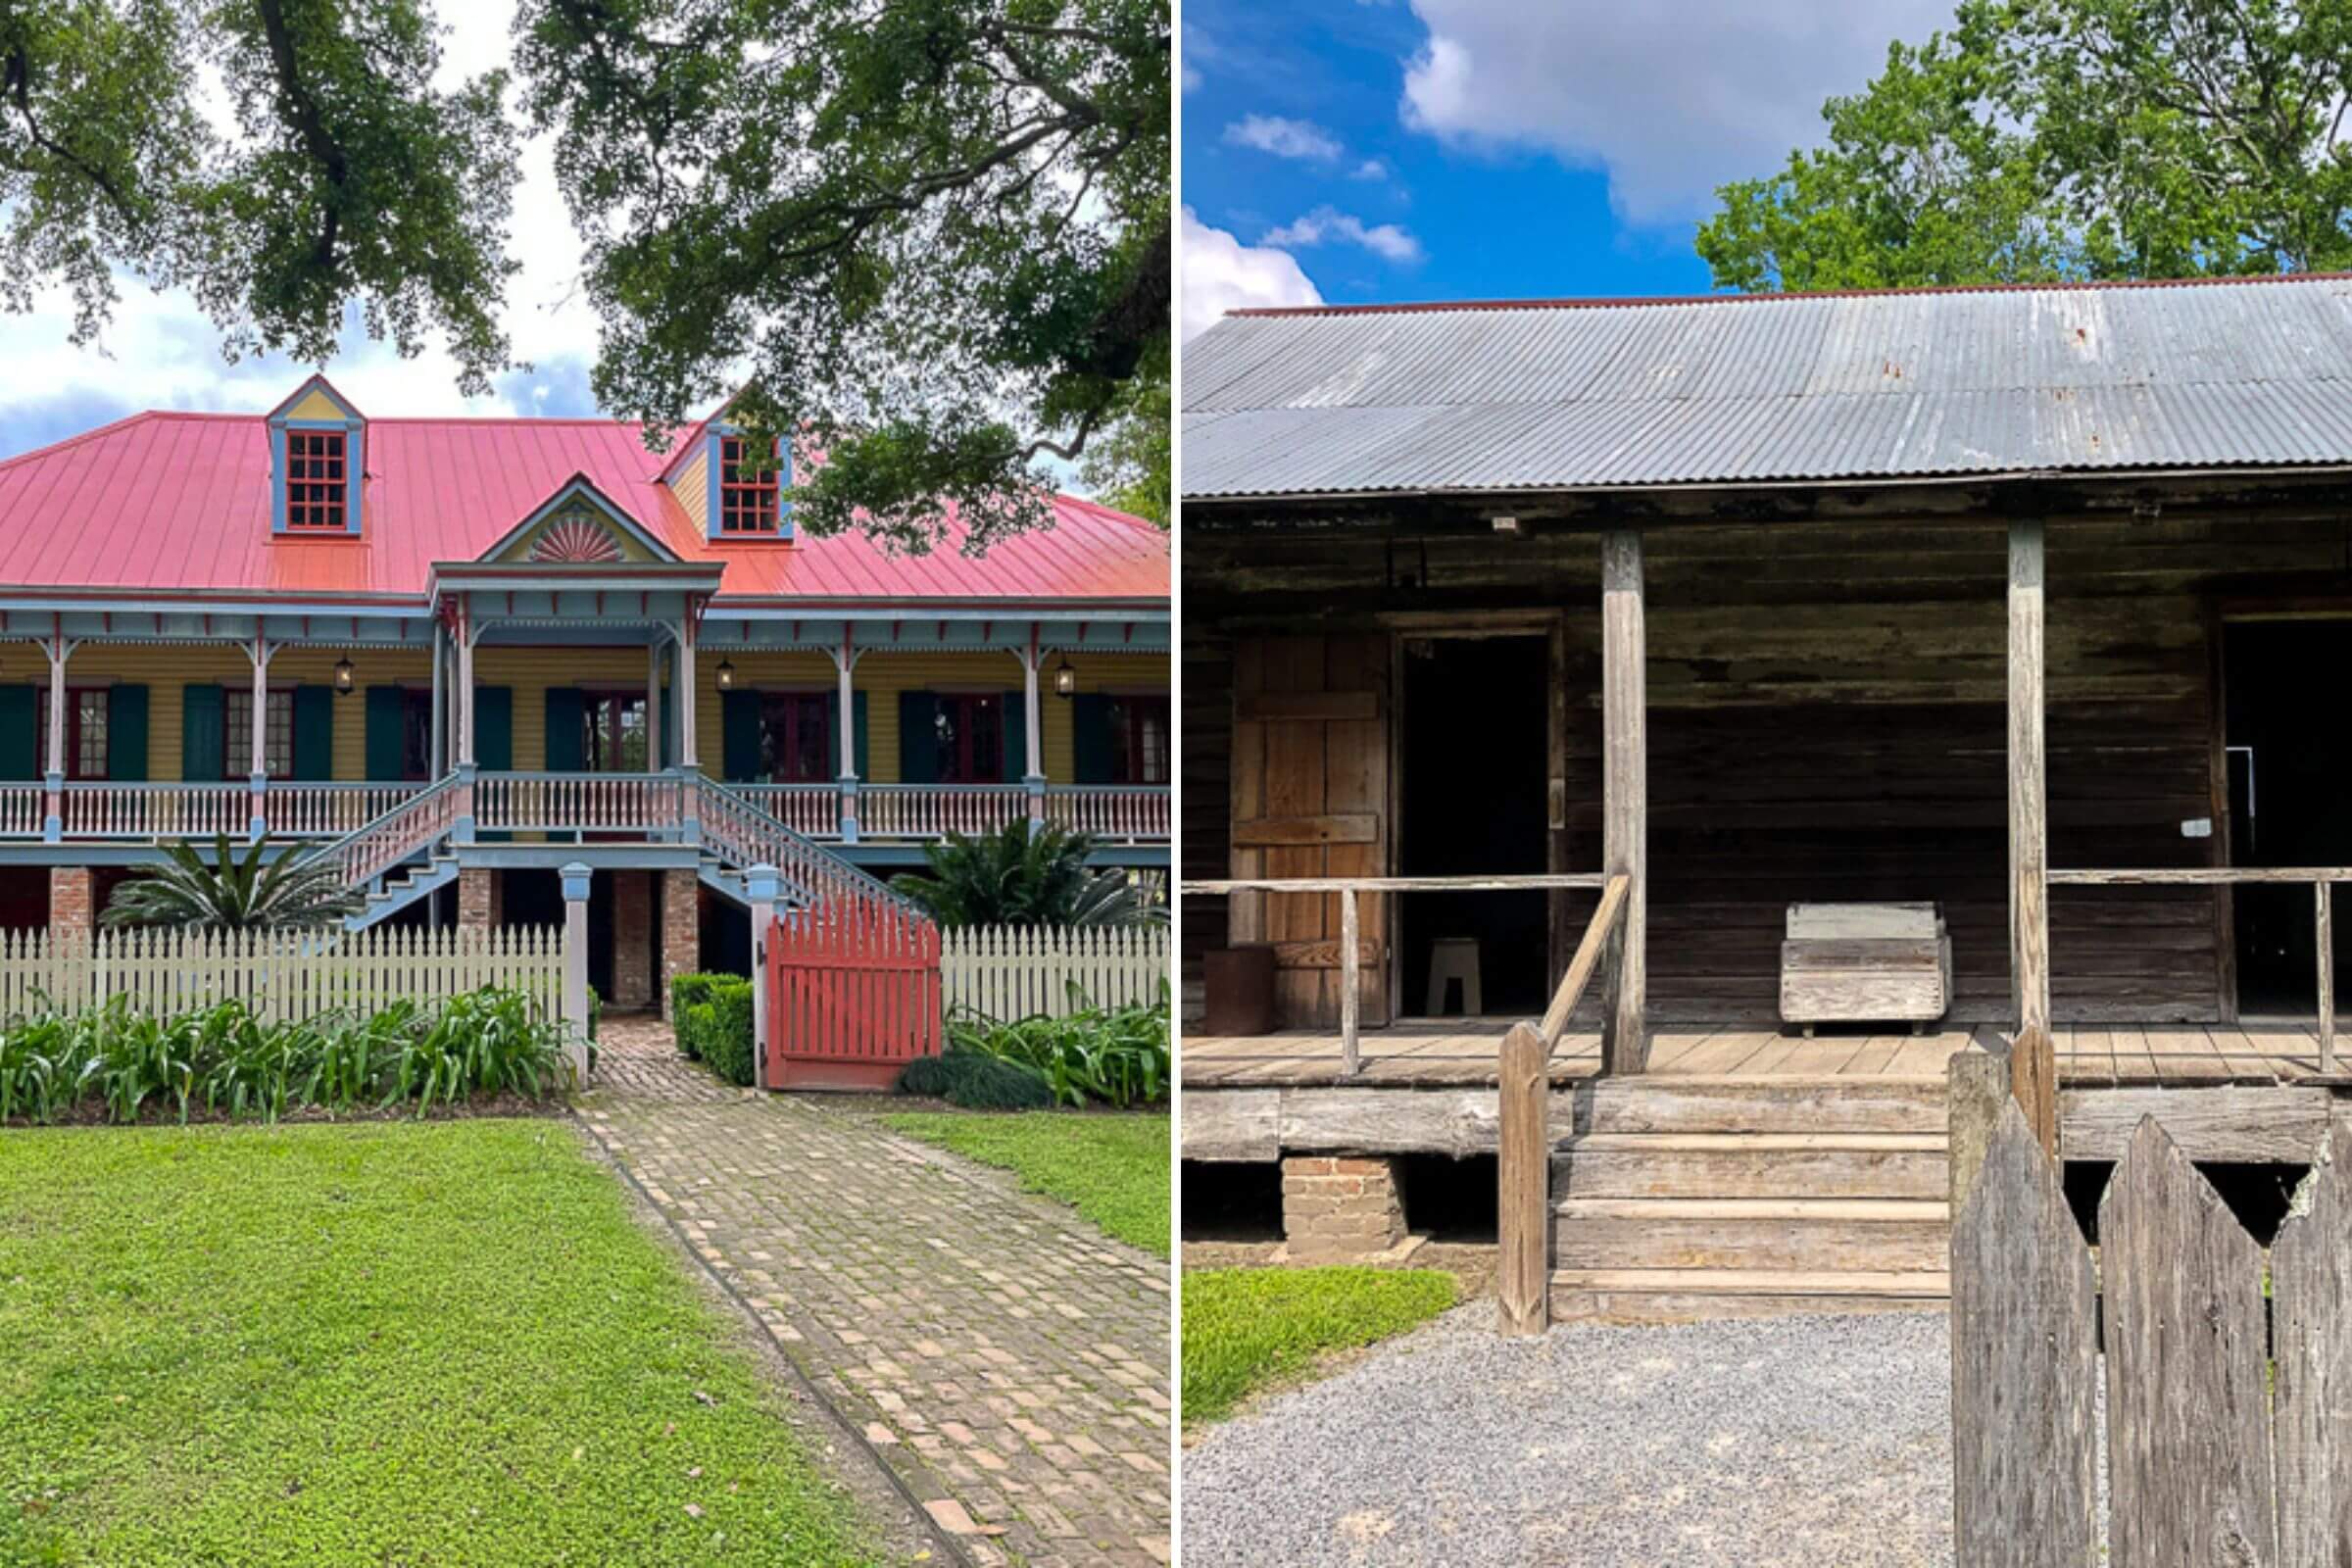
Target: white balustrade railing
(95,810)
(589,802)
(746,836)
(812,809)
(329,811)
(934,811)
(1129,811)
(23,810)
(422,819)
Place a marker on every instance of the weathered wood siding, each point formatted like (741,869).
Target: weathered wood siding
(1206,763)
(1827,721)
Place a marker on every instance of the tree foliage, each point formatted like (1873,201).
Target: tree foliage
(2060,139)
(345,179)
(292,892)
(929,238)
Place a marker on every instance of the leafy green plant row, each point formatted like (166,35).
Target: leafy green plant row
(222,1060)
(713,1015)
(1119,1055)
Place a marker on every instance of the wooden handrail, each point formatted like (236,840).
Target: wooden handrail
(1598,931)
(1396,884)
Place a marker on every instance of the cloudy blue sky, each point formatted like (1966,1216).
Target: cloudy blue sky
(1355,151)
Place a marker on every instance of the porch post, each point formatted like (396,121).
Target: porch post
(1625,793)
(1033,722)
(653,705)
(846,664)
(687,632)
(575,875)
(2032,1063)
(261,654)
(53,827)
(763,885)
(439,743)
(462,703)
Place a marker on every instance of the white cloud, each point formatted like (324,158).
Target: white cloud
(1192,78)
(1327,223)
(1222,274)
(1370,168)
(1670,99)
(1283,138)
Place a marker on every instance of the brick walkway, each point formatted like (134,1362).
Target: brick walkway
(1005,1357)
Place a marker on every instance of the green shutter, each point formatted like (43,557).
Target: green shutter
(126,734)
(203,753)
(739,736)
(857,723)
(19,732)
(1095,742)
(386,744)
(1016,736)
(313,733)
(918,741)
(494,729)
(567,714)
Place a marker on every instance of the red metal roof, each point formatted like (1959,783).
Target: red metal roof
(164,503)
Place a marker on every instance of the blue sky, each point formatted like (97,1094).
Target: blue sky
(1359,151)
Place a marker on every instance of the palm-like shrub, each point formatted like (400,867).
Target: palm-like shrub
(1019,875)
(293,892)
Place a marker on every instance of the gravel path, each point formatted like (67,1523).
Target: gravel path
(1816,1442)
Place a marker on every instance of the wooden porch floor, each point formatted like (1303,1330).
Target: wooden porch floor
(1435,1051)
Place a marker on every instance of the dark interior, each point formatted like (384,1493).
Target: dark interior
(535,897)
(1476,734)
(2289,799)
(1449,1200)
(727,936)
(1238,1201)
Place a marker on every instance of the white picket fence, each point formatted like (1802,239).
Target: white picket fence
(280,976)
(1014,971)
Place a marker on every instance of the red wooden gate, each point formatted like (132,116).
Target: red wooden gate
(854,993)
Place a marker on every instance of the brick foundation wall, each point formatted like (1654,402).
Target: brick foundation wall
(72,899)
(681,928)
(477,900)
(1337,1210)
(632,939)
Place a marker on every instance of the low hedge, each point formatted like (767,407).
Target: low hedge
(713,1013)
(976,1081)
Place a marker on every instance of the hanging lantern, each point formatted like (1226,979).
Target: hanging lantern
(1065,678)
(726,675)
(343,685)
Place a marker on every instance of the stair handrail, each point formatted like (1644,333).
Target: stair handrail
(1602,935)
(817,874)
(358,864)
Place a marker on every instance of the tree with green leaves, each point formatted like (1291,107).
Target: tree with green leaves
(347,179)
(257,891)
(2067,139)
(928,238)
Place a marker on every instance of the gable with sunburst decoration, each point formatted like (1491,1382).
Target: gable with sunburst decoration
(573,538)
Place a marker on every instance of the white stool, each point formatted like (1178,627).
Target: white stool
(1453,958)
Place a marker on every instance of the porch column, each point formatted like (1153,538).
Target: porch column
(575,877)
(460,700)
(652,706)
(1033,720)
(57,650)
(763,885)
(688,757)
(1625,793)
(2033,1056)
(845,662)
(439,743)
(261,653)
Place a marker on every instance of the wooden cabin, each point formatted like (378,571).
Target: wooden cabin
(2023,605)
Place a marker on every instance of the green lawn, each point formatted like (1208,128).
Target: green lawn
(1111,1168)
(1245,1328)
(439,1344)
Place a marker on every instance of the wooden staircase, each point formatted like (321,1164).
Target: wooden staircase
(1687,1197)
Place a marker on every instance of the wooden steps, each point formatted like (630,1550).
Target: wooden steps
(1735,1198)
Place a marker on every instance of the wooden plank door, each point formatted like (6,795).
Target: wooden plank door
(1311,798)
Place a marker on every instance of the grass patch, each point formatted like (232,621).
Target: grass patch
(1112,1169)
(441,1343)
(1245,1328)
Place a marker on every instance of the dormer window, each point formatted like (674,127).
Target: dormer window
(746,493)
(317,481)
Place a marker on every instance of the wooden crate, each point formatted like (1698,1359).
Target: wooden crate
(1865,964)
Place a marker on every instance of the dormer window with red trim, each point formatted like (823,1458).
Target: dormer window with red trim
(317,481)
(747,496)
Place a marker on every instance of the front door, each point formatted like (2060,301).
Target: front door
(613,732)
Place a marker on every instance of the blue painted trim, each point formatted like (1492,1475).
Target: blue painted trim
(712,450)
(555,857)
(575,875)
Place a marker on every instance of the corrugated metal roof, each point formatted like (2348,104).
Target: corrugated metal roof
(1631,393)
(163,502)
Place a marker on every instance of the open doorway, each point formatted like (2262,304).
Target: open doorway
(2290,800)
(1474,745)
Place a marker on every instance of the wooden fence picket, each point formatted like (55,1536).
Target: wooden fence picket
(2311,1326)
(1015,971)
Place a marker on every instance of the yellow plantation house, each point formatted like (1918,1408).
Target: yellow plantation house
(457,654)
